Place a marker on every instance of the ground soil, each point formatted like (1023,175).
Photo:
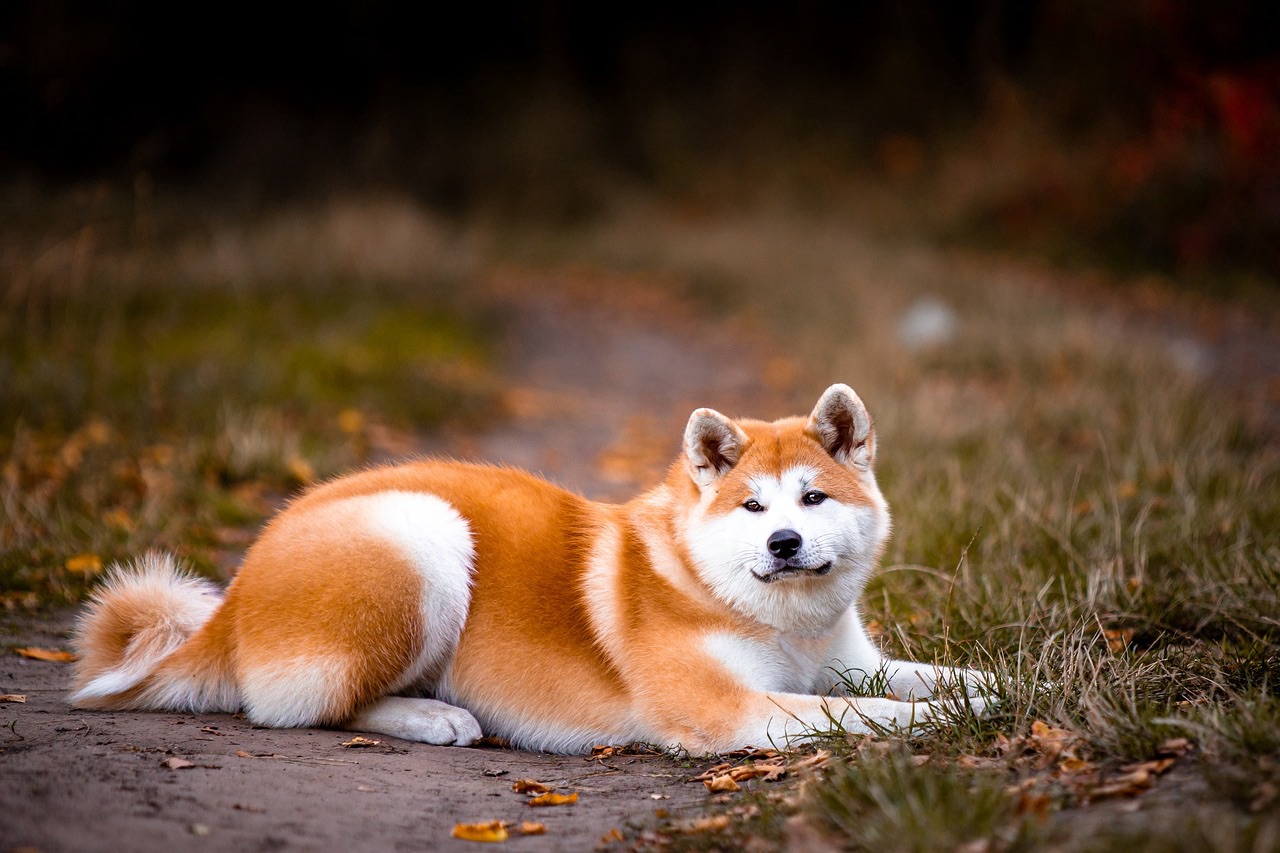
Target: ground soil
(601,381)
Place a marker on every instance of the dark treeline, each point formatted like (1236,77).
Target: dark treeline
(459,102)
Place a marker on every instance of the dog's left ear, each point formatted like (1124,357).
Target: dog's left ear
(841,424)
(712,444)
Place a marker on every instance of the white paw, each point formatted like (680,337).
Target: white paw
(422,720)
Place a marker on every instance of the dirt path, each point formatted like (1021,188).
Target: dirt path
(600,389)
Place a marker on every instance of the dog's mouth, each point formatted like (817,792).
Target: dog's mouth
(790,570)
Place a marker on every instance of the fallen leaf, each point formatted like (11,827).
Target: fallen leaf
(84,564)
(1075,765)
(716,823)
(551,799)
(529,786)
(1004,745)
(1174,746)
(301,470)
(817,761)
(52,655)
(12,697)
(494,830)
(532,827)
(1033,803)
(1118,639)
(721,784)
(351,421)
(1155,768)
(213,730)
(358,742)
(1051,742)
(971,762)
(1129,785)
(240,753)
(611,836)
(119,519)
(176,763)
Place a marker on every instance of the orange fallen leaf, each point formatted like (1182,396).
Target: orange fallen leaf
(716,823)
(358,742)
(301,470)
(52,655)
(84,564)
(13,697)
(494,830)
(532,827)
(1118,639)
(721,784)
(1075,765)
(551,799)
(529,786)
(1157,767)
(1033,803)
(1129,785)
(817,761)
(1174,746)
(351,421)
(611,836)
(177,763)
(119,519)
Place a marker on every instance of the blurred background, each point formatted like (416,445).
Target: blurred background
(1142,134)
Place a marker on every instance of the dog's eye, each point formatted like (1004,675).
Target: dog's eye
(753,505)
(813,497)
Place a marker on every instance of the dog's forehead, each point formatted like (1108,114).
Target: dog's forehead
(784,459)
(789,483)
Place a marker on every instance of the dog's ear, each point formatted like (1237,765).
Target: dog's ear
(842,426)
(713,444)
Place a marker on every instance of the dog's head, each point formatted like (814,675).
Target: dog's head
(789,522)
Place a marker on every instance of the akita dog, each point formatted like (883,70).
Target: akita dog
(439,601)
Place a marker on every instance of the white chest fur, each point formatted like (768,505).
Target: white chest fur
(783,662)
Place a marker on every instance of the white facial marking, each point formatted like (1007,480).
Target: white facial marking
(807,591)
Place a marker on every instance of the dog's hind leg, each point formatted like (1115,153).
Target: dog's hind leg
(344,603)
(421,720)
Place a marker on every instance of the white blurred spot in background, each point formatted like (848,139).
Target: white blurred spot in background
(929,322)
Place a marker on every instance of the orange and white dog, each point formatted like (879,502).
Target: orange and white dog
(436,601)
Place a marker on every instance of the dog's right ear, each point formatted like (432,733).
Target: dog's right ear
(713,444)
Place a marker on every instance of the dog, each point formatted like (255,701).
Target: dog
(442,602)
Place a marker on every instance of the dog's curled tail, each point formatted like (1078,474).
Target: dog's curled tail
(149,639)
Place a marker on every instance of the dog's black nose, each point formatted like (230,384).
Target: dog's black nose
(784,544)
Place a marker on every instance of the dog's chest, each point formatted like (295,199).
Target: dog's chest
(782,662)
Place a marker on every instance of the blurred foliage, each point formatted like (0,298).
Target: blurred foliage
(1145,134)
